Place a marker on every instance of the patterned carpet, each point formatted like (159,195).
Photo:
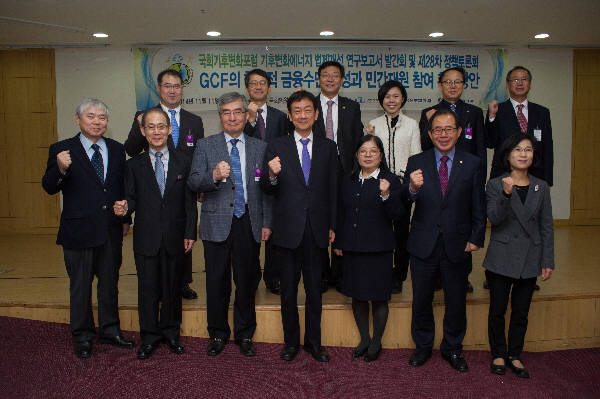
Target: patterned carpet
(37,361)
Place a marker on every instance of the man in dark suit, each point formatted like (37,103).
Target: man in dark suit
(301,172)
(165,228)
(451,83)
(234,218)
(338,120)
(187,129)
(265,123)
(448,223)
(88,169)
(518,114)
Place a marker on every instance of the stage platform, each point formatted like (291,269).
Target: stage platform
(565,313)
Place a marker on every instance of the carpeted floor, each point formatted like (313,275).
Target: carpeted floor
(37,361)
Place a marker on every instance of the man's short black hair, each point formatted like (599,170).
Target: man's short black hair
(153,111)
(170,72)
(442,112)
(457,69)
(258,72)
(331,63)
(299,96)
(516,69)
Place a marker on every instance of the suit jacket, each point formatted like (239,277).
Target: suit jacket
(522,239)
(188,124)
(506,124)
(364,222)
(160,220)
(216,212)
(277,124)
(349,131)
(470,116)
(87,218)
(460,213)
(293,200)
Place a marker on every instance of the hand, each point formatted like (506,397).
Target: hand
(384,187)
(274,167)
(331,236)
(471,247)
(63,159)
(221,171)
(492,109)
(370,129)
(430,113)
(125,229)
(199,197)
(139,119)
(508,184)
(338,252)
(265,234)
(416,180)
(252,110)
(120,208)
(188,245)
(546,273)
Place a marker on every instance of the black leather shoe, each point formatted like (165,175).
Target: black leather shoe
(457,362)
(215,346)
(499,369)
(396,287)
(537,287)
(520,372)
(486,285)
(288,353)
(246,347)
(118,340)
(372,356)
(360,350)
(83,350)
(319,354)
(188,293)
(419,358)
(174,346)
(274,287)
(469,287)
(324,286)
(146,351)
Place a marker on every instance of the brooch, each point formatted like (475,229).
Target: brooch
(536,188)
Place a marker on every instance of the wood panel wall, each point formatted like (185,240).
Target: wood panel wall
(27,128)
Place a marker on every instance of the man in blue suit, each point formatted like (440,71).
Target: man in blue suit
(447,224)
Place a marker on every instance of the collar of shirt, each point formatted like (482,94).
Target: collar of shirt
(228,138)
(438,156)
(166,109)
(264,111)
(297,137)
(446,104)
(515,103)
(373,175)
(324,100)
(165,152)
(87,145)
(164,159)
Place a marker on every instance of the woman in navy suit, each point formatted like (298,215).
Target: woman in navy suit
(369,200)
(521,248)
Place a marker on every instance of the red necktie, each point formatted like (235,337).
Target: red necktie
(521,118)
(260,122)
(443,174)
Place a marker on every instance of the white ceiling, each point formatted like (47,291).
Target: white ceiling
(56,23)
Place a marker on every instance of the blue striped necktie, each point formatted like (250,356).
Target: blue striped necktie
(239,204)
(159,172)
(175,128)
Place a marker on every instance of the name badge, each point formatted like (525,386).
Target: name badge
(189,140)
(257,173)
(469,133)
(537,133)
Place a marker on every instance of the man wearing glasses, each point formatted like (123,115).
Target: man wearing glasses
(234,218)
(518,114)
(451,83)
(448,224)
(187,129)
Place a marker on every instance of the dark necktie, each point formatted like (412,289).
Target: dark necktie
(159,172)
(395,120)
(239,204)
(329,120)
(305,160)
(97,162)
(174,128)
(521,118)
(260,122)
(443,173)
(453,108)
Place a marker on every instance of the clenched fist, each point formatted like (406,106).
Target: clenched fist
(430,113)
(63,159)
(221,171)
(370,129)
(252,110)
(384,187)
(416,180)
(507,185)
(120,208)
(493,109)
(274,167)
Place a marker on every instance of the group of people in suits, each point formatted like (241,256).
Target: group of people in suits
(302,183)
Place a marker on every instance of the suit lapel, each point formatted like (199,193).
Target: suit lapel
(112,161)
(80,152)
(457,166)
(251,162)
(524,212)
(171,172)
(150,176)
(533,121)
(433,172)
(293,155)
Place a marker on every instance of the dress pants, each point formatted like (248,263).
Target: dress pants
(272,267)
(82,265)
(238,251)
(186,269)
(307,259)
(424,273)
(520,300)
(159,279)
(401,255)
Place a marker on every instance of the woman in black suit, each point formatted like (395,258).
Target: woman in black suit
(521,248)
(369,200)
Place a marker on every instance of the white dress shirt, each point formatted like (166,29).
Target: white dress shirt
(525,107)
(164,159)
(300,146)
(177,112)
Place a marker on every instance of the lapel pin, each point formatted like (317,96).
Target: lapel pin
(343,107)
(460,162)
(536,188)
(179,177)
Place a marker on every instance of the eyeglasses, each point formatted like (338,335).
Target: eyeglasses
(368,153)
(452,82)
(517,80)
(330,75)
(169,86)
(255,83)
(448,130)
(526,150)
(236,112)
(160,127)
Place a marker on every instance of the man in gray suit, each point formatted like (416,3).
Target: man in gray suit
(234,218)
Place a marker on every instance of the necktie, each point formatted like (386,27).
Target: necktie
(443,173)
(453,108)
(329,120)
(159,172)
(305,160)
(521,118)
(239,204)
(97,162)
(175,128)
(260,122)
